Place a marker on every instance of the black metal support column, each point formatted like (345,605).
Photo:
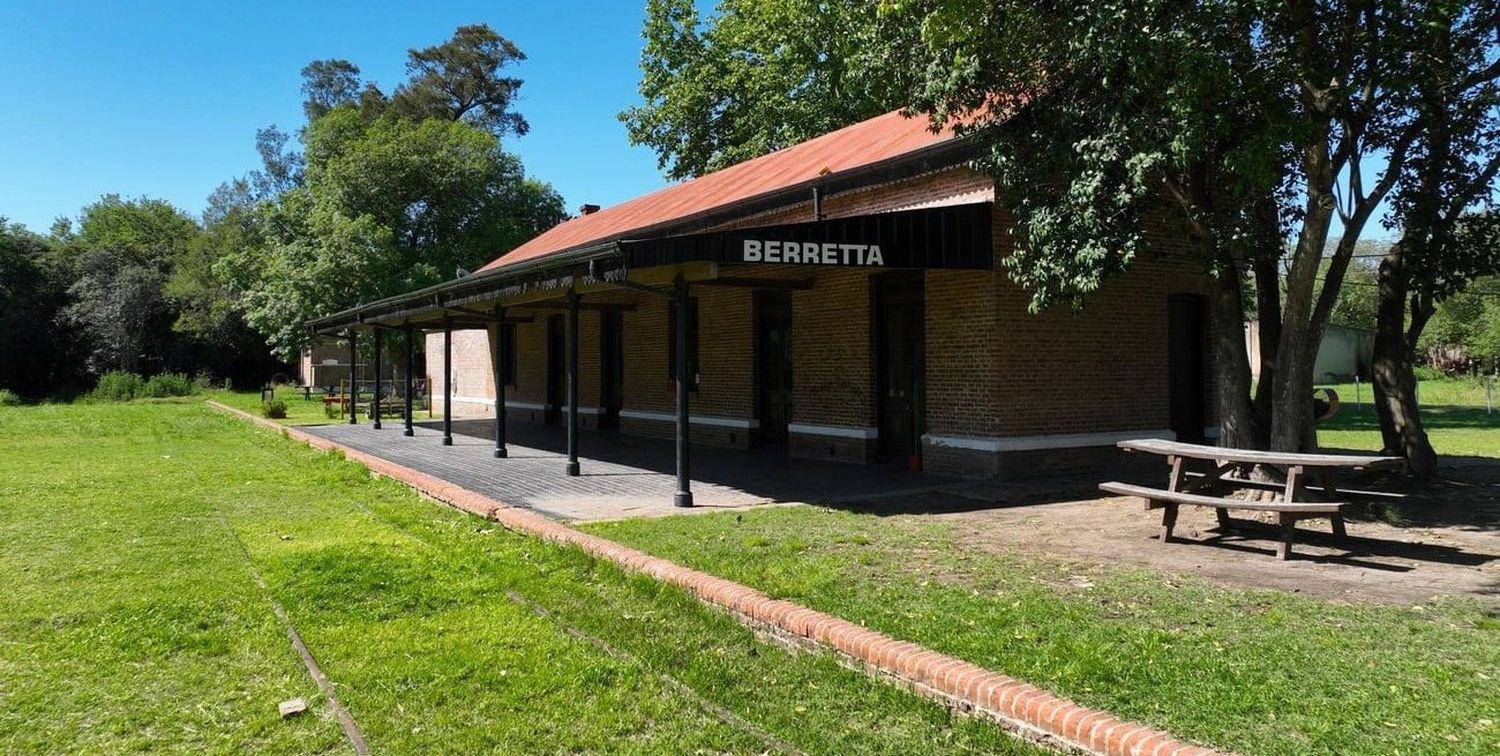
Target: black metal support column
(410,381)
(573,384)
(353,396)
(379,336)
(684,495)
(501,360)
(447,382)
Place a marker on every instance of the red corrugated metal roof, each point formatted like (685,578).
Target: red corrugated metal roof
(864,143)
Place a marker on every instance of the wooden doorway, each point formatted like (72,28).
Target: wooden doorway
(900,364)
(1186,364)
(557,372)
(611,368)
(773,364)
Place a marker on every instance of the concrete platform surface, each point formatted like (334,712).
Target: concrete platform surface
(621,476)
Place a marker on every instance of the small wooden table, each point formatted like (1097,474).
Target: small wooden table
(1218,465)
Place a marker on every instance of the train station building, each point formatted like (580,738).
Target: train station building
(841,299)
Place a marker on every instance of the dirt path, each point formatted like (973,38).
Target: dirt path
(1448,543)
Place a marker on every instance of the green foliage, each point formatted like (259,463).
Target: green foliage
(274,409)
(760,75)
(387,205)
(120,310)
(326,84)
(332,411)
(118,386)
(1425,373)
(1464,332)
(39,358)
(149,232)
(460,80)
(1359,296)
(169,384)
(9,398)
(1100,114)
(124,386)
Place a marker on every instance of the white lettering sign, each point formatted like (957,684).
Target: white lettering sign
(810,253)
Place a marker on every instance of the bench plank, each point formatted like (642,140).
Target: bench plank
(1273,486)
(1255,457)
(1199,500)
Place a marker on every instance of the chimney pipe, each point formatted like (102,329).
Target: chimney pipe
(587,209)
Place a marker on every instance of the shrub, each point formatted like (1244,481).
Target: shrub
(273,408)
(1426,373)
(332,411)
(167,384)
(118,386)
(9,398)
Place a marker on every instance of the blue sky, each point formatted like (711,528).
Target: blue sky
(162,99)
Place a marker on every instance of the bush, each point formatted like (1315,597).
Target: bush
(9,398)
(332,411)
(1426,373)
(118,386)
(273,408)
(168,384)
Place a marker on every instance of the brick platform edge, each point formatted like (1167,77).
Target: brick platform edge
(1022,708)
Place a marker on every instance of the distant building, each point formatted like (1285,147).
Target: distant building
(325,364)
(1344,353)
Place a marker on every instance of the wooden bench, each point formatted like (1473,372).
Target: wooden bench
(1288,513)
(1207,488)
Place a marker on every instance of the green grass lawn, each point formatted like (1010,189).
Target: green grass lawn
(1453,413)
(299,411)
(1258,672)
(129,619)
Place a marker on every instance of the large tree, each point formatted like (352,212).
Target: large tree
(1450,172)
(390,193)
(759,75)
(1252,117)
(32,292)
(118,261)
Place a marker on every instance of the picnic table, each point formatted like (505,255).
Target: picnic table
(1202,476)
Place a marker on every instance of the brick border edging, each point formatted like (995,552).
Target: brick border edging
(1021,707)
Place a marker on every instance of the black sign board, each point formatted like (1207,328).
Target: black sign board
(956,237)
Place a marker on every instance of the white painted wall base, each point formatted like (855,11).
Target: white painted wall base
(836,431)
(998,444)
(669,417)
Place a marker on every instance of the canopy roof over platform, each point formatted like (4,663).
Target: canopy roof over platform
(669,228)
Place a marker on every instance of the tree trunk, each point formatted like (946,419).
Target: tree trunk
(1268,313)
(1395,379)
(1231,362)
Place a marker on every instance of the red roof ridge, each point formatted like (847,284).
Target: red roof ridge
(884,137)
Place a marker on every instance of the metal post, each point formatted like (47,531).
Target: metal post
(684,496)
(447,382)
(573,383)
(410,383)
(501,360)
(379,335)
(353,396)
(1358,398)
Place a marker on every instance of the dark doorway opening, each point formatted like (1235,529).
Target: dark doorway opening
(557,374)
(774,365)
(1186,333)
(612,368)
(900,365)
